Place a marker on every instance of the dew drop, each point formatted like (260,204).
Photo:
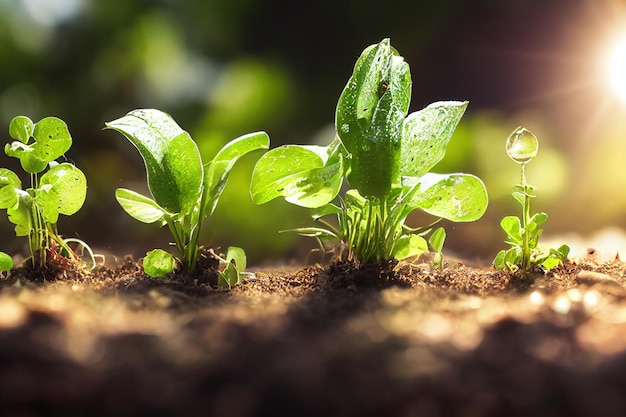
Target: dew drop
(522,145)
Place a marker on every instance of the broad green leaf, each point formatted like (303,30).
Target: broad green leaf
(456,197)
(369,118)
(52,140)
(218,170)
(157,263)
(138,206)
(408,246)
(6,262)
(9,186)
(173,163)
(300,174)
(21,128)
(426,134)
(62,190)
(513,228)
(20,214)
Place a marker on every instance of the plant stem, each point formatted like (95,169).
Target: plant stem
(526,252)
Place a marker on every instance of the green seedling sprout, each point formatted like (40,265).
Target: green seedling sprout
(385,155)
(523,234)
(436,241)
(184,191)
(55,188)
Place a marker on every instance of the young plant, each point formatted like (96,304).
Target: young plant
(437,238)
(184,190)
(523,234)
(386,157)
(59,190)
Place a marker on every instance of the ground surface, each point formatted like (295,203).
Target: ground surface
(399,340)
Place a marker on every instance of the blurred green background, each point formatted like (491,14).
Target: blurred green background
(223,68)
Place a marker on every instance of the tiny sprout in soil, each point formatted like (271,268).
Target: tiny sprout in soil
(386,156)
(184,190)
(523,234)
(59,190)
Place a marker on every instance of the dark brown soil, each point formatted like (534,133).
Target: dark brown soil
(390,340)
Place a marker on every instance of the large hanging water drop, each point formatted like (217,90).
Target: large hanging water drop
(522,145)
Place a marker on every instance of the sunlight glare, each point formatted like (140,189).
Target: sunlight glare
(617,68)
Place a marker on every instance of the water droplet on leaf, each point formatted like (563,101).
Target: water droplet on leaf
(522,145)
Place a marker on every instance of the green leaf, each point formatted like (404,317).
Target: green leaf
(228,277)
(6,262)
(513,228)
(52,140)
(158,263)
(62,190)
(308,176)
(426,134)
(538,219)
(551,262)
(9,186)
(218,170)
(237,256)
(563,252)
(140,207)
(173,163)
(20,214)
(437,239)
(498,261)
(369,117)
(21,128)
(409,246)
(326,210)
(318,232)
(235,265)
(456,197)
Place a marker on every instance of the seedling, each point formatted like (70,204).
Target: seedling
(523,234)
(386,157)
(233,267)
(184,190)
(437,238)
(59,190)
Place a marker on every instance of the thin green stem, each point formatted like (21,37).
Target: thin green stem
(526,251)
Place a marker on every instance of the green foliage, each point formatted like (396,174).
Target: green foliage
(157,263)
(184,190)
(235,264)
(60,190)
(523,234)
(6,262)
(386,157)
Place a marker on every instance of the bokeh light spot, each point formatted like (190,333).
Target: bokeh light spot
(617,69)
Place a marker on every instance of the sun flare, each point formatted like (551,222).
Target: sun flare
(617,69)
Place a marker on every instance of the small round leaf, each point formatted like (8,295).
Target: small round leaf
(158,263)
